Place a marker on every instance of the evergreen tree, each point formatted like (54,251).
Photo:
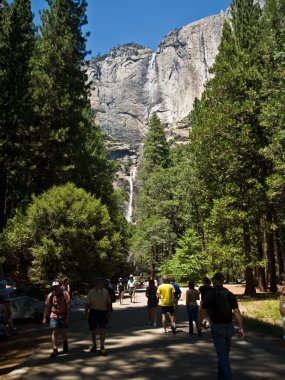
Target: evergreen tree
(62,119)
(16,48)
(156,148)
(227,137)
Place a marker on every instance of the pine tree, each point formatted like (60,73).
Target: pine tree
(62,118)
(16,46)
(227,137)
(156,148)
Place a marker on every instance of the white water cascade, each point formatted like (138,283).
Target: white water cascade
(151,75)
(132,176)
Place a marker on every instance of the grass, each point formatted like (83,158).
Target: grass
(262,315)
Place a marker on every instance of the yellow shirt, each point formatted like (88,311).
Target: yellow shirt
(98,299)
(166,294)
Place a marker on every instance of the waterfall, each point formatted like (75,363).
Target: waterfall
(131,177)
(151,76)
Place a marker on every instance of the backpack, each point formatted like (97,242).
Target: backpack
(52,304)
(112,294)
(221,310)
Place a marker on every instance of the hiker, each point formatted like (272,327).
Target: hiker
(282,301)
(4,317)
(57,308)
(192,296)
(152,302)
(219,304)
(98,311)
(65,285)
(165,293)
(203,289)
(121,289)
(132,288)
(177,295)
(6,288)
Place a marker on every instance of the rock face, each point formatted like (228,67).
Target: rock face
(132,82)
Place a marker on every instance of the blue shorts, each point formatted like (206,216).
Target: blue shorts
(97,318)
(58,323)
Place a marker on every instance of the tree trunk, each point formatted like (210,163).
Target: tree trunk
(260,271)
(280,253)
(269,236)
(3,193)
(249,278)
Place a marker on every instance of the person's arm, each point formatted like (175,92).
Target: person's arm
(187,299)
(68,308)
(46,310)
(202,315)
(238,316)
(173,294)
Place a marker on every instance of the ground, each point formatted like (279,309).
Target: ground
(31,336)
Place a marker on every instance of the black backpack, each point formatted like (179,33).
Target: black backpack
(221,310)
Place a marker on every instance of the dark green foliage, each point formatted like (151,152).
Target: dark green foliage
(16,48)
(65,231)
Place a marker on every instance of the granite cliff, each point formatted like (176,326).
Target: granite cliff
(132,82)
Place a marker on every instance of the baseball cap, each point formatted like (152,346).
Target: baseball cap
(55,283)
(218,276)
(99,278)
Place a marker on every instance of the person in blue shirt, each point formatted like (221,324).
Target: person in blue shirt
(177,295)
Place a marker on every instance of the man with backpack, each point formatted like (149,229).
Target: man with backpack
(220,304)
(57,308)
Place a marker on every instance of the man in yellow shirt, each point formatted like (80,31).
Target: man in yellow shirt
(165,293)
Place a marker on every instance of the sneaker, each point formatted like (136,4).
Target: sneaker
(65,346)
(93,348)
(103,351)
(54,353)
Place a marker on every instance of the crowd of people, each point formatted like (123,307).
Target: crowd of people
(209,306)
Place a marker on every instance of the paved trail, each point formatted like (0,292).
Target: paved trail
(142,353)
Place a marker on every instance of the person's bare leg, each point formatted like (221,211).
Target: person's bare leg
(164,322)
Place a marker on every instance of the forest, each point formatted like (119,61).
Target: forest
(213,203)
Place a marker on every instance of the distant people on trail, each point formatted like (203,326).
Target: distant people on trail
(75,296)
(121,290)
(152,302)
(65,285)
(165,293)
(98,311)
(177,295)
(282,301)
(57,309)
(4,317)
(219,304)
(6,288)
(192,296)
(203,289)
(132,288)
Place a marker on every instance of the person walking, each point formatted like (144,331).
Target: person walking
(192,296)
(165,293)
(152,302)
(177,295)
(57,308)
(65,285)
(203,289)
(220,304)
(6,289)
(121,290)
(98,312)
(132,288)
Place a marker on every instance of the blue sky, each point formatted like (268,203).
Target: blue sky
(146,22)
